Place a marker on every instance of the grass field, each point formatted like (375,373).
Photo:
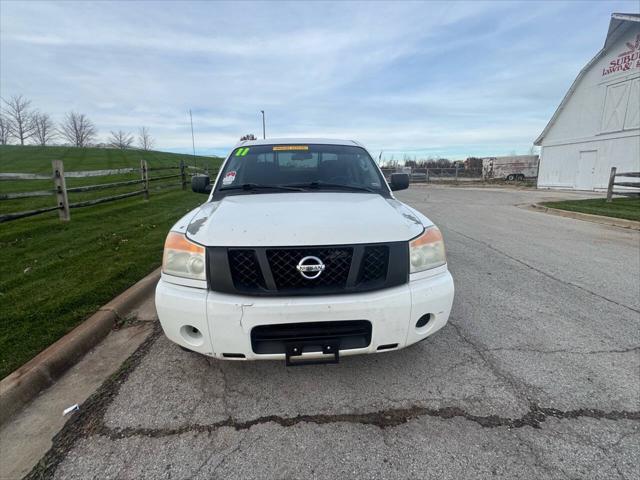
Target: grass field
(628,208)
(56,274)
(16,159)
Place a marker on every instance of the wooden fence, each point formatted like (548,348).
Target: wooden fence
(61,191)
(635,185)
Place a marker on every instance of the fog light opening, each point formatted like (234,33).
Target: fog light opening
(423,320)
(192,335)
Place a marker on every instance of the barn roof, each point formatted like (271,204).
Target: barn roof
(619,24)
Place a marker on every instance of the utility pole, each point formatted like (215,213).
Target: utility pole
(193,141)
(264,132)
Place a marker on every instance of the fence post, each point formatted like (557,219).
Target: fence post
(144,172)
(183,175)
(61,190)
(457,165)
(612,179)
(427,175)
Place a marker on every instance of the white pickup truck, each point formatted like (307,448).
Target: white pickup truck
(302,253)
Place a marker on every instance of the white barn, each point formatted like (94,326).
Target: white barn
(597,124)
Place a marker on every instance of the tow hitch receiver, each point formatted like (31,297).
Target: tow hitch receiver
(330,351)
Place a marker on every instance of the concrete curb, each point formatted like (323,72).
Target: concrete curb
(21,386)
(611,221)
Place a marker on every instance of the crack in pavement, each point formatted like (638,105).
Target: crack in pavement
(225,387)
(482,351)
(225,457)
(382,419)
(89,421)
(539,460)
(228,451)
(560,350)
(542,272)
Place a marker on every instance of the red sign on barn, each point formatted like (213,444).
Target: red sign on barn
(626,60)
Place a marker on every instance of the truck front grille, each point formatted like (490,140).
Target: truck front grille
(374,264)
(273,271)
(246,271)
(283,264)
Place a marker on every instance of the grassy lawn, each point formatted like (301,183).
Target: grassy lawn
(56,274)
(628,208)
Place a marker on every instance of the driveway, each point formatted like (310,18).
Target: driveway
(537,375)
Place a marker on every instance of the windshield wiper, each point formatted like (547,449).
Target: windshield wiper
(257,186)
(318,185)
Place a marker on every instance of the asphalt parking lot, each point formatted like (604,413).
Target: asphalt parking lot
(537,375)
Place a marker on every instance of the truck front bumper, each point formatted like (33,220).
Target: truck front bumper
(220,325)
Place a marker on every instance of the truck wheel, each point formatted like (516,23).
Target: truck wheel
(509,178)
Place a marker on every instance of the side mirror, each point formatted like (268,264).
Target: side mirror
(399,181)
(200,184)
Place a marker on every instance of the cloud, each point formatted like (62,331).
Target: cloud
(456,77)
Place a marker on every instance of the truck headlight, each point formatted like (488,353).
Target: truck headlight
(427,251)
(183,258)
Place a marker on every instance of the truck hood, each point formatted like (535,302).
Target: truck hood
(300,219)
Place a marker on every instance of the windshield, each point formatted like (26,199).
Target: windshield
(281,168)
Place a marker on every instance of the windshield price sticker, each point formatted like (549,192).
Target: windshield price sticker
(286,148)
(229,178)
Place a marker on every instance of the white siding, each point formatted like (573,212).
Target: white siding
(602,116)
(559,163)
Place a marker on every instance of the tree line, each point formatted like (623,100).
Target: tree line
(22,124)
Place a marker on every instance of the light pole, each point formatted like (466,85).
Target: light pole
(193,141)
(264,134)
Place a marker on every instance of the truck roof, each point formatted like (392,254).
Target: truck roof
(297,141)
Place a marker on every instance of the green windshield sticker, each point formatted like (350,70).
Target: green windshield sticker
(241,152)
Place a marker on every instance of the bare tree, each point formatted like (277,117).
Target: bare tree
(121,140)
(5,129)
(18,111)
(44,130)
(249,136)
(77,129)
(144,139)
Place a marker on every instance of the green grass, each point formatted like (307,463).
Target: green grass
(56,274)
(32,159)
(628,208)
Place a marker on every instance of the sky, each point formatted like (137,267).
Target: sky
(410,79)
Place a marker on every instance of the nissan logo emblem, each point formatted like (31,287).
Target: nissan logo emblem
(310,267)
